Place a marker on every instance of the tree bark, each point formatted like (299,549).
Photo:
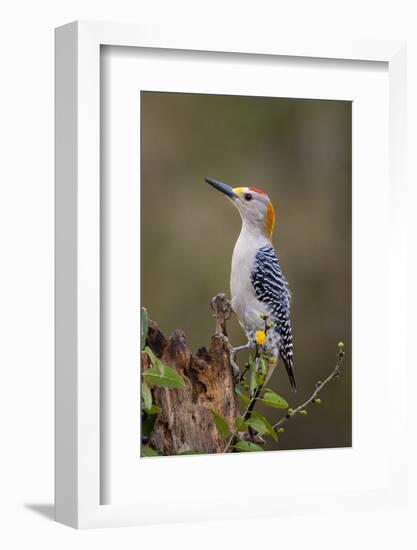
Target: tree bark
(185,422)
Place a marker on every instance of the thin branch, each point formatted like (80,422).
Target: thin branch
(247,412)
(319,386)
(235,432)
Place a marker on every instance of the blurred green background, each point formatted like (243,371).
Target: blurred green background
(299,152)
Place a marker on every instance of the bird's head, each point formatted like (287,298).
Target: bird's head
(255,208)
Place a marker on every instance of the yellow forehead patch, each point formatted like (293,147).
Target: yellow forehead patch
(239,190)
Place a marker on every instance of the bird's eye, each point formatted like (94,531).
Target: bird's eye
(248,197)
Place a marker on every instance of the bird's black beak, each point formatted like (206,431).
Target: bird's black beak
(226,189)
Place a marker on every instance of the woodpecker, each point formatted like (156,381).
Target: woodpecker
(259,290)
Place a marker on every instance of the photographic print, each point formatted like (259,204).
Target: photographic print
(246,274)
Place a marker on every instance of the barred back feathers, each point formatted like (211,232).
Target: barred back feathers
(271,288)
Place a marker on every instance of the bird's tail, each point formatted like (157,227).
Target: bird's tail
(290,371)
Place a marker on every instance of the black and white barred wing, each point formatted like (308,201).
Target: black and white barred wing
(271,288)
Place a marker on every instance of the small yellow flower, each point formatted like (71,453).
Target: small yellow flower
(260,337)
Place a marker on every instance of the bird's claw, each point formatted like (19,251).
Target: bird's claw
(232,357)
(235,369)
(241,348)
(233,364)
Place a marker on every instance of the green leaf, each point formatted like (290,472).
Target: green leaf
(258,425)
(221,424)
(144,327)
(273,400)
(269,429)
(245,399)
(146,396)
(247,446)
(148,451)
(164,376)
(153,410)
(190,452)
(253,379)
(154,359)
(240,424)
(262,373)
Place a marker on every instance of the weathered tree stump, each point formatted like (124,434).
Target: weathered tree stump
(185,422)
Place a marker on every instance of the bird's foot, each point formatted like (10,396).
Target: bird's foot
(240,348)
(232,356)
(235,367)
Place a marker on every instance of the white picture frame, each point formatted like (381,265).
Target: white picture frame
(78,448)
